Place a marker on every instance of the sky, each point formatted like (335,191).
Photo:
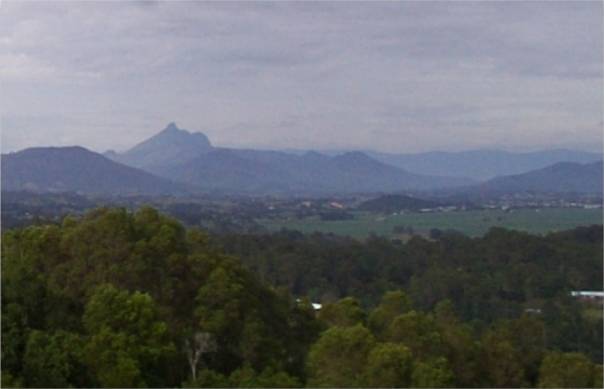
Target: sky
(388,76)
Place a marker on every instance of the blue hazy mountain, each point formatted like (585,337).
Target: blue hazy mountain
(76,169)
(190,158)
(482,164)
(170,146)
(563,177)
(252,171)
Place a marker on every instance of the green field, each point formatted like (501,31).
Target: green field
(473,223)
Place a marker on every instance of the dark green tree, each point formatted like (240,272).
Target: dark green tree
(389,365)
(501,361)
(343,313)
(54,360)
(419,332)
(339,357)
(126,338)
(568,370)
(393,304)
(434,373)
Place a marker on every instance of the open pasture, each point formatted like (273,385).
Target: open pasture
(473,223)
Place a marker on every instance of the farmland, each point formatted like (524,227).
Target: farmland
(473,223)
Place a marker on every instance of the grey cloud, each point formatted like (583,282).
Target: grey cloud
(314,74)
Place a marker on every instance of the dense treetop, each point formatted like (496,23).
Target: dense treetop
(120,299)
(130,290)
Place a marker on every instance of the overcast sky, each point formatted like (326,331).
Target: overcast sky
(392,76)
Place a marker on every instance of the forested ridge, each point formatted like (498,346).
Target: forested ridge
(120,299)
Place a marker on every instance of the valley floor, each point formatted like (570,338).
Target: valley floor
(473,223)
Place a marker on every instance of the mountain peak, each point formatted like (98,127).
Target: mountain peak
(171,127)
(172,136)
(314,155)
(171,145)
(354,156)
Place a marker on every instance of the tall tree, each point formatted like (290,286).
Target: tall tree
(345,312)
(127,340)
(339,357)
(393,304)
(389,365)
(568,370)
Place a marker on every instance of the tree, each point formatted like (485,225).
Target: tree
(14,337)
(393,304)
(207,378)
(130,286)
(339,356)
(501,361)
(260,344)
(598,376)
(568,370)
(388,365)
(527,335)
(201,343)
(7,380)
(127,340)
(246,377)
(220,304)
(417,331)
(345,312)
(434,373)
(459,347)
(54,360)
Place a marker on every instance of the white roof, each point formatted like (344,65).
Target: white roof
(587,293)
(316,306)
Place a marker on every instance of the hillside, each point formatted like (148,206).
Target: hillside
(482,164)
(223,170)
(564,177)
(59,169)
(251,171)
(191,159)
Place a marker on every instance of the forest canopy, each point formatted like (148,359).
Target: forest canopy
(121,299)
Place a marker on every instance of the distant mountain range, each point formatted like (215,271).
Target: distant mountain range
(482,164)
(76,169)
(178,161)
(562,177)
(257,171)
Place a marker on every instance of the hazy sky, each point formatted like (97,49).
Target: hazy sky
(392,76)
